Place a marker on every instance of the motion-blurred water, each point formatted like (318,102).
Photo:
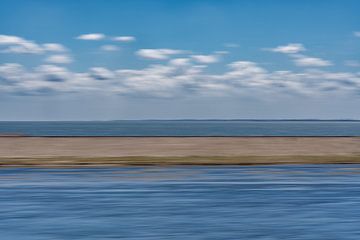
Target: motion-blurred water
(236,202)
(183,128)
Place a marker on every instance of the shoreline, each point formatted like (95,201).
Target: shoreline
(18,151)
(64,162)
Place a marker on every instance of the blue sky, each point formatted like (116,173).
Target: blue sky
(100,60)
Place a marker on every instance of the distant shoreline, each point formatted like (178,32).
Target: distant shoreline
(170,136)
(164,151)
(184,120)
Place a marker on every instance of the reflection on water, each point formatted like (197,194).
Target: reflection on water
(262,202)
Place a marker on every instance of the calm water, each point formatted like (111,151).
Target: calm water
(184,128)
(263,202)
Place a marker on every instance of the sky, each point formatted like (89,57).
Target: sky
(170,59)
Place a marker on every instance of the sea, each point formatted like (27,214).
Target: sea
(184,128)
(302,202)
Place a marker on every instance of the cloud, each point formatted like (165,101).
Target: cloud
(304,61)
(222,52)
(44,79)
(101,36)
(160,80)
(180,61)
(61,59)
(54,47)
(291,48)
(18,45)
(91,36)
(8,40)
(247,74)
(158,54)
(357,34)
(175,78)
(124,39)
(181,73)
(352,63)
(205,58)
(109,48)
(52,73)
(11,73)
(100,73)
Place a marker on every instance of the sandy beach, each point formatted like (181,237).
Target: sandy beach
(63,151)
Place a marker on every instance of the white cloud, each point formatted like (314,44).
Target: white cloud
(124,39)
(61,59)
(53,72)
(110,48)
(245,73)
(18,45)
(46,79)
(11,72)
(352,63)
(91,36)
(205,58)
(222,52)
(179,77)
(159,80)
(245,67)
(54,47)
(305,61)
(8,40)
(180,62)
(357,34)
(100,73)
(174,79)
(158,54)
(291,48)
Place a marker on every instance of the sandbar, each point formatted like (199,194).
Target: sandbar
(127,151)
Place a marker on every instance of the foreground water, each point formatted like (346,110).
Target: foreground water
(262,202)
(184,128)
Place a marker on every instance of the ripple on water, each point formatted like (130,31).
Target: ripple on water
(233,202)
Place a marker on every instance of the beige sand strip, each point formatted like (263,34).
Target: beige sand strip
(88,151)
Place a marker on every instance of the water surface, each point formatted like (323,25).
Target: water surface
(183,128)
(235,202)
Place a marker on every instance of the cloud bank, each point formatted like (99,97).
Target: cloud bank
(177,77)
(177,73)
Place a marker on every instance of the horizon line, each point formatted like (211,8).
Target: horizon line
(197,119)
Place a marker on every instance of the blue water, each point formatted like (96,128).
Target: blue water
(237,202)
(183,128)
